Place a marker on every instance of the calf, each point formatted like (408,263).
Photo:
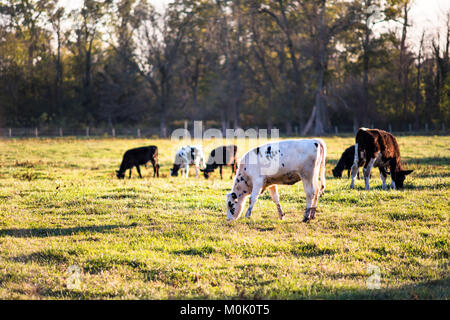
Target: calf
(285,162)
(136,157)
(219,157)
(346,163)
(380,149)
(185,156)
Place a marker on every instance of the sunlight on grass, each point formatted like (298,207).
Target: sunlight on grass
(61,205)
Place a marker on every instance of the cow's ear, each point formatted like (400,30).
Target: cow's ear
(406,172)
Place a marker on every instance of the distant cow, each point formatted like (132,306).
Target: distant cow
(136,157)
(346,163)
(185,156)
(285,162)
(380,149)
(219,157)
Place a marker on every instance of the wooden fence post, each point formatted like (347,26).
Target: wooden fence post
(60,132)
(336,131)
(139,132)
(390,128)
(426,127)
(36,132)
(87,132)
(113,132)
(10,132)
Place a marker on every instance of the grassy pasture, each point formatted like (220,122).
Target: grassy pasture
(61,205)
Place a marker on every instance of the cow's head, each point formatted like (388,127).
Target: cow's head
(234,206)
(209,168)
(120,174)
(337,173)
(174,170)
(206,172)
(400,176)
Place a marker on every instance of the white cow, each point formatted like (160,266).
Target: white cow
(284,162)
(185,156)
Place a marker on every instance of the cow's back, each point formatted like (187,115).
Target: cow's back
(372,141)
(224,155)
(281,158)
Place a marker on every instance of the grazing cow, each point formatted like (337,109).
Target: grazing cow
(136,157)
(285,162)
(219,157)
(380,149)
(346,163)
(185,156)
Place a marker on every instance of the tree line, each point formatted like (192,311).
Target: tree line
(309,65)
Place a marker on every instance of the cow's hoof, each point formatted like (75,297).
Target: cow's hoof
(312,214)
(305,219)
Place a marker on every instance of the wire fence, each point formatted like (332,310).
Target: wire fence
(147,132)
(78,132)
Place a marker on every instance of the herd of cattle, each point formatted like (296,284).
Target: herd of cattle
(284,162)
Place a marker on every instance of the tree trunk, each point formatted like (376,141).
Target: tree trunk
(403,76)
(418,81)
(364,115)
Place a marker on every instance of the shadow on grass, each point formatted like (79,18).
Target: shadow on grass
(408,186)
(52,232)
(438,161)
(435,289)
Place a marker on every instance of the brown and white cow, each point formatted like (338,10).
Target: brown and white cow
(378,148)
(285,162)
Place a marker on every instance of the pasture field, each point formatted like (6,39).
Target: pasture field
(167,238)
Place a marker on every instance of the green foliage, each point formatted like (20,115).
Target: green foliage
(249,63)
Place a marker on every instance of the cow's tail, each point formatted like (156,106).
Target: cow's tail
(323,156)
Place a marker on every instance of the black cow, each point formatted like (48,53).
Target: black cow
(219,157)
(136,157)
(346,163)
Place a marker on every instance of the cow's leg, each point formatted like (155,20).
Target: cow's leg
(233,170)
(139,171)
(354,173)
(366,170)
(154,167)
(355,167)
(220,168)
(196,171)
(312,194)
(257,186)
(273,190)
(130,173)
(383,175)
(186,170)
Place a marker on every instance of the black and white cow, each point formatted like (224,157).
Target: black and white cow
(378,148)
(284,162)
(219,157)
(186,156)
(136,157)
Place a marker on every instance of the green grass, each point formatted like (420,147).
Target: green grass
(167,238)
